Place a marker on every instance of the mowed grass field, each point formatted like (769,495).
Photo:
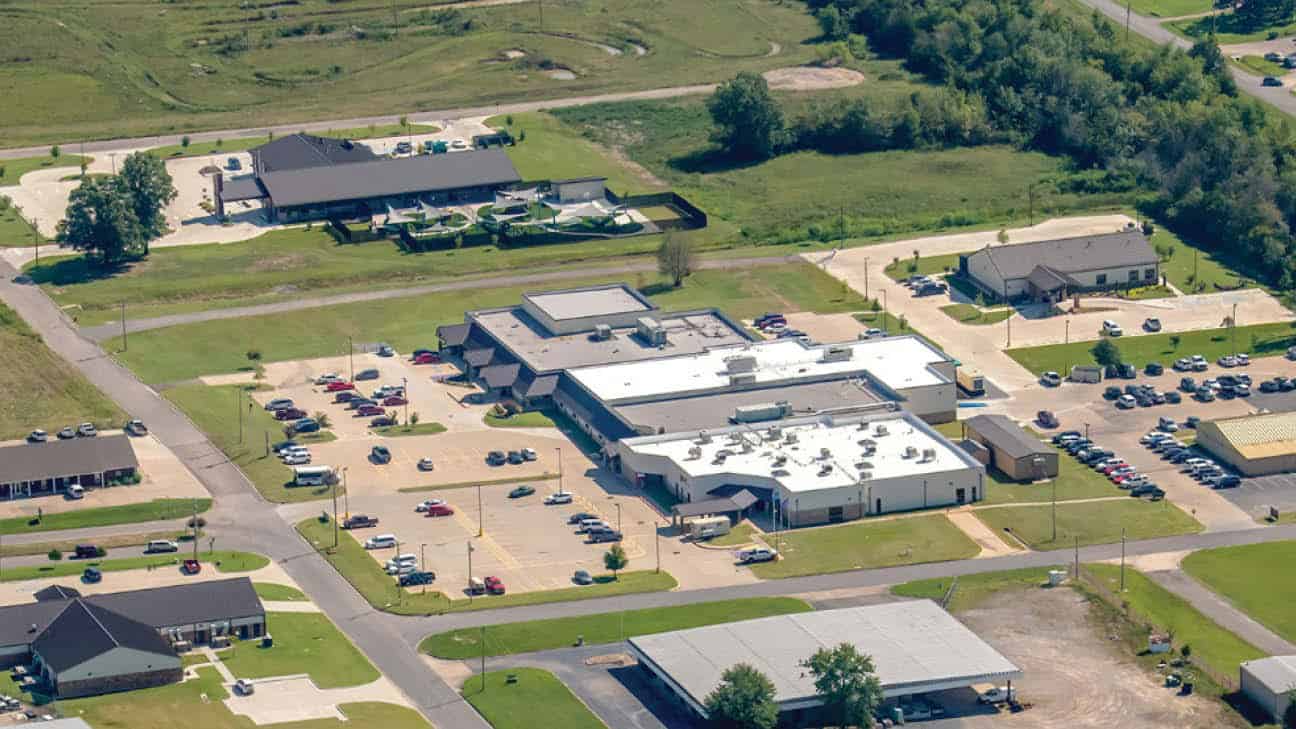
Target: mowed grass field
(523,698)
(43,390)
(865,545)
(304,643)
(113,68)
(1259,340)
(1245,576)
(551,152)
(1094,522)
(972,589)
(1074,481)
(1169,8)
(187,351)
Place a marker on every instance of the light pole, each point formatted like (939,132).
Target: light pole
(346,498)
(618,508)
(1066,338)
(1008,320)
(657,545)
(470,582)
(560,470)
(351,356)
(335,518)
(405,397)
(481,515)
(423,564)
(866,265)
(1233,328)
(238,408)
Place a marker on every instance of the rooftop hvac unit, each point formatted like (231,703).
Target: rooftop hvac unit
(740,363)
(863,425)
(719,458)
(774,433)
(910,452)
(652,331)
(791,437)
(779,461)
(703,437)
(780,472)
(825,469)
(928,455)
(881,430)
(733,438)
(694,453)
(865,475)
(747,447)
(758,412)
(866,442)
(838,354)
(602,333)
(742,378)
(724,453)
(863,465)
(825,453)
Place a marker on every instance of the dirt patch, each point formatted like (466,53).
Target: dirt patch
(809,78)
(513,54)
(612,660)
(561,74)
(1076,674)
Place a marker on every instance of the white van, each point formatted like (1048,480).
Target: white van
(75,492)
(587,524)
(312,475)
(381,541)
(403,559)
(161,545)
(708,527)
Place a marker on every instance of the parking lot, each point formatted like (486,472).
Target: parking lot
(1255,495)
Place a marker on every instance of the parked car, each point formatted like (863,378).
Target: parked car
(394,401)
(289,414)
(996,695)
(421,577)
(428,504)
(1111,328)
(757,554)
(1198,363)
(529,454)
(586,525)
(494,585)
(382,421)
(381,541)
(1050,379)
(85,551)
(296,458)
(380,454)
(1125,402)
(37,436)
(1059,438)
(359,521)
(369,374)
(562,497)
(87,430)
(385,350)
(306,425)
(496,458)
(338,386)
(1152,324)
(1192,421)
(1227,360)
(161,545)
(91,575)
(427,358)
(521,491)
(346,396)
(1271,81)
(601,536)
(1111,393)
(426,464)
(279,403)
(136,428)
(580,516)
(1227,482)
(1153,369)
(191,567)
(515,457)
(328,377)
(439,510)
(284,445)
(1187,384)
(1242,358)
(1148,489)
(581,577)
(358,402)
(1183,364)
(368,411)
(1172,397)
(1204,394)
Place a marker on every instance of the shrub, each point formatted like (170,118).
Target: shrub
(55,555)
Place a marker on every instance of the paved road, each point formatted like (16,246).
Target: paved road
(1222,612)
(107,331)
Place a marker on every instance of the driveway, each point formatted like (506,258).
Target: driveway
(297,698)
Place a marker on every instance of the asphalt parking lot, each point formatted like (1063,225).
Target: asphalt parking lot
(1255,494)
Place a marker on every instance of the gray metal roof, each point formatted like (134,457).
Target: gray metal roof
(479,357)
(701,412)
(1046,279)
(84,630)
(453,335)
(501,375)
(915,645)
(186,604)
(306,151)
(390,177)
(1277,673)
(1001,432)
(722,505)
(589,301)
(1072,255)
(541,386)
(234,189)
(73,457)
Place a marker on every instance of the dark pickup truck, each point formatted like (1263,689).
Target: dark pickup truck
(359,521)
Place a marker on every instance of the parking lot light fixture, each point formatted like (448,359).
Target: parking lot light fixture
(481,515)
(423,563)
(618,508)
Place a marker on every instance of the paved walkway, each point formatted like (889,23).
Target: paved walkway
(985,537)
(1222,611)
(216,662)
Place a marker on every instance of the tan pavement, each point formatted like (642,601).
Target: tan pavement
(297,698)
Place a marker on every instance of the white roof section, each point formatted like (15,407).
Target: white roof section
(897,362)
(915,645)
(1277,673)
(811,454)
(583,303)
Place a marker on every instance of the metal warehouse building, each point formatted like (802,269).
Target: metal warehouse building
(811,470)
(916,647)
(1016,453)
(1255,445)
(1267,682)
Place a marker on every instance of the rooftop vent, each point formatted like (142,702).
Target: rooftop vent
(742,378)
(825,470)
(881,430)
(652,331)
(791,437)
(602,333)
(910,452)
(779,461)
(838,354)
(780,472)
(694,453)
(740,363)
(928,455)
(824,453)
(703,438)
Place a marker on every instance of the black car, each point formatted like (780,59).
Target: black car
(604,535)
(1111,393)
(496,458)
(417,578)
(283,445)
(1284,384)
(1172,397)
(1148,489)
(1078,445)
(515,457)
(1153,368)
(1226,393)
(369,374)
(1065,435)
(359,521)
(1181,456)
(580,516)
(1188,384)
(1192,422)
(1047,419)
(91,575)
(521,491)
(1269,386)
(1096,454)
(1126,371)
(1227,380)
(1227,482)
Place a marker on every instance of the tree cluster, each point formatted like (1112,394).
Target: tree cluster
(113,219)
(844,680)
(1219,166)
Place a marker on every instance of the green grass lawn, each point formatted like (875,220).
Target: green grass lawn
(212,409)
(1218,648)
(535,699)
(973,589)
(303,643)
(15,231)
(739,535)
(380,590)
(533,419)
(1259,340)
(231,562)
(1191,268)
(199,702)
(395,431)
(924,266)
(279,593)
(1074,481)
(53,393)
(14,169)
(551,151)
(1227,29)
(108,543)
(187,351)
(240,144)
(1245,575)
(156,510)
(1258,65)
(972,314)
(538,635)
(1169,8)
(1098,522)
(865,545)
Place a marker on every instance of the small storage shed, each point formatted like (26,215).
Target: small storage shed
(1016,453)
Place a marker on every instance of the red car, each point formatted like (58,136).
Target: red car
(395,400)
(289,414)
(1106,470)
(440,510)
(369,410)
(191,567)
(338,386)
(427,358)
(494,585)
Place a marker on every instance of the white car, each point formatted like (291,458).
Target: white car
(757,554)
(244,687)
(1243,359)
(1153,436)
(425,505)
(1125,402)
(294,450)
(1111,328)
(529,454)
(297,459)
(561,497)
(1199,363)
(402,568)
(996,695)
(458,144)
(874,333)
(279,403)
(328,377)
(425,464)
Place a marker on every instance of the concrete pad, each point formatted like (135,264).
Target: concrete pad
(826,327)
(297,698)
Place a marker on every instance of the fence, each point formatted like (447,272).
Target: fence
(691,217)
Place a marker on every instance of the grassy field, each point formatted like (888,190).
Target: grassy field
(1169,8)
(1227,29)
(187,351)
(1074,481)
(53,393)
(377,587)
(924,266)
(275,592)
(739,535)
(1245,576)
(972,589)
(303,643)
(14,169)
(865,545)
(552,152)
(533,419)
(1258,65)
(15,231)
(538,635)
(212,408)
(1259,340)
(818,196)
(229,562)
(1218,648)
(111,69)
(200,703)
(972,314)
(108,543)
(240,144)
(887,322)
(155,510)
(535,698)
(1097,522)
(1193,269)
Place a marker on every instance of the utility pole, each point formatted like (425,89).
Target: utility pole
(335,519)
(1127,20)
(346,498)
(481,515)
(657,545)
(1233,328)
(1077,557)
(125,345)
(351,356)
(866,265)
(470,593)
(194,520)
(560,470)
(405,397)
(238,409)
(423,564)
(1054,540)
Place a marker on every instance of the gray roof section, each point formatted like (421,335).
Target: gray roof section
(722,505)
(479,357)
(501,375)
(234,189)
(83,630)
(1072,255)
(186,604)
(306,151)
(453,335)
(1277,673)
(56,592)
(390,177)
(1001,432)
(590,301)
(1046,279)
(915,645)
(542,386)
(39,461)
(16,621)
(701,412)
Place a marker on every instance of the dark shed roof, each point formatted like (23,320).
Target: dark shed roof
(1070,255)
(306,151)
(453,335)
(39,461)
(186,604)
(501,375)
(1002,433)
(542,386)
(1046,279)
(16,621)
(479,357)
(724,505)
(390,177)
(56,592)
(235,189)
(82,631)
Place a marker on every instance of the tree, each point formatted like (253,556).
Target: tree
(615,559)
(1174,341)
(414,418)
(101,221)
(744,699)
(1105,353)
(675,258)
(322,418)
(147,182)
(834,25)
(184,142)
(1003,236)
(55,151)
(844,680)
(749,120)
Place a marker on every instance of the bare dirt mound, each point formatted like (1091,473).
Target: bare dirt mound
(809,78)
